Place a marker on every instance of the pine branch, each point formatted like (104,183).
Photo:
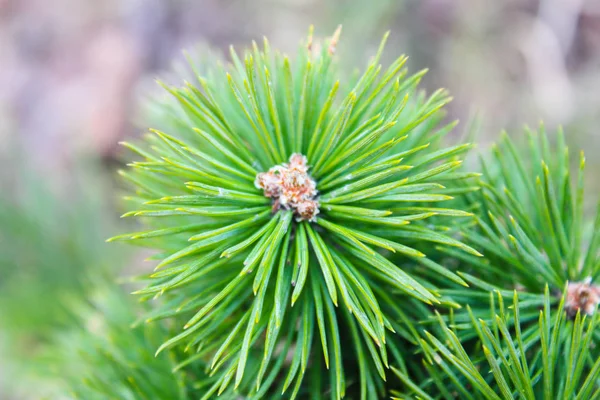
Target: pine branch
(550,358)
(276,194)
(530,226)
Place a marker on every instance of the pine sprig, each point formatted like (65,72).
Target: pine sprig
(530,222)
(245,273)
(549,358)
(530,225)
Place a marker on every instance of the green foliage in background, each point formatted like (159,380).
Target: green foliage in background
(102,356)
(50,243)
(52,256)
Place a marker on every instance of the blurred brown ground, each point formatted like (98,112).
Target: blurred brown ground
(71,70)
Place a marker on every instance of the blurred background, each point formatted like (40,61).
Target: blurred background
(73,74)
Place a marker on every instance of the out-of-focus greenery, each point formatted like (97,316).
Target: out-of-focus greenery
(102,355)
(50,249)
(52,254)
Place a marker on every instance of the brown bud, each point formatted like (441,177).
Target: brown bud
(583,297)
(291,188)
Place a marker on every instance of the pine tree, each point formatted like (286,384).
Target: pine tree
(315,237)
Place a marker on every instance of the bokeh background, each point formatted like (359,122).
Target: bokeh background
(74,73)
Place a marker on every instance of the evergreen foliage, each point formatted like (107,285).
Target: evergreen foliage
(252,280)
(315,237)
(530,224)
(547,357)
